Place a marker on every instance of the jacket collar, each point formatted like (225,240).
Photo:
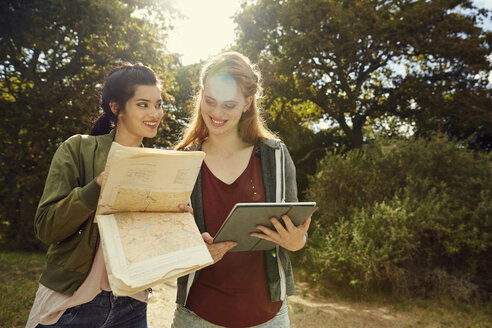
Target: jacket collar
(106,140)
(272,143)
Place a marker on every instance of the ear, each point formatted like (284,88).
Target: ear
(247,104)
(115,107)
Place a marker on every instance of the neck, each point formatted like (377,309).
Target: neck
(126,139)
(224,144)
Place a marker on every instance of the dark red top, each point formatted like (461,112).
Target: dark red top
(232,292)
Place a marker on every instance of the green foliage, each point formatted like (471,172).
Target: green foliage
(54,54)
(183,91)
(306,146)
(374,59)
(406,216)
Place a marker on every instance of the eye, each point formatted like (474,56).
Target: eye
(142,104)
(210,102)
(230,106)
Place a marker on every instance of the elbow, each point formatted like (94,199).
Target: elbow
(43,230)
(41,233)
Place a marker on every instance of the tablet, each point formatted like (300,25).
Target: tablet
(244,217)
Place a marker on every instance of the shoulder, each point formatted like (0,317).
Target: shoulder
(78,141)
(269,145)
(272,143)
(88,141)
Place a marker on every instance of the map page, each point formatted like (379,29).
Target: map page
(143,249)
(147,179)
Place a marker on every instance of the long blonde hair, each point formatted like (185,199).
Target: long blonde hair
(251,125)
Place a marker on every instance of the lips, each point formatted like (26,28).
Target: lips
(217,123)
(151,124)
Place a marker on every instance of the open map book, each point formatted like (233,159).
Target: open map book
(144,236)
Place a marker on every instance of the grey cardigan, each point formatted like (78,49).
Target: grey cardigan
(279,179)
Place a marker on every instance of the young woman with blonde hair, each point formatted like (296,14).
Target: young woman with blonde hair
(244,162)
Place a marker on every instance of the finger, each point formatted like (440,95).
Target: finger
(226,245)
(288,222)
(278,226)
(266,234)
(261,236)
(217,251)
(186,208)
(207,238)
(100,178)
(267,231)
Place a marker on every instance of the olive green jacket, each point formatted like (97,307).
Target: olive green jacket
(65,214)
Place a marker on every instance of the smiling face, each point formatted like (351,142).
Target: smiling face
(141,116)
(222,104)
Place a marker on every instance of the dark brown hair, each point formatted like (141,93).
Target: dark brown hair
(119,87)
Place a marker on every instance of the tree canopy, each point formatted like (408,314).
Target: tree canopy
(360,61)
(54,54)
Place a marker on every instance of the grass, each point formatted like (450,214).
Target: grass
(19,274)
(446,313)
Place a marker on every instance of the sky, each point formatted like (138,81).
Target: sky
(208,27)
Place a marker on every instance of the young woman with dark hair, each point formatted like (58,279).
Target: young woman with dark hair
(74,290)
(244,163)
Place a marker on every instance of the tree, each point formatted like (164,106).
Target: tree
(185,87)
(54,54)
(373,59)
(306,145)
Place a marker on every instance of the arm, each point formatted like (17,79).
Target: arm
(291,237)
(65,205)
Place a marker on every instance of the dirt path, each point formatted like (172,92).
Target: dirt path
(305,310)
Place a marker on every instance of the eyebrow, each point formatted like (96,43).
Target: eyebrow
(227,101)
(142,99)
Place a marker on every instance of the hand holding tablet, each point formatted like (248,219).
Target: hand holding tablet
(245,217)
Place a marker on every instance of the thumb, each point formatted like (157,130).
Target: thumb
(207,238)
(305,225)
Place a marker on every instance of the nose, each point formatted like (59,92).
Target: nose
(158,112)
(218,109)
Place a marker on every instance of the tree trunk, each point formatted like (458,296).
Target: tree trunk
(354,133)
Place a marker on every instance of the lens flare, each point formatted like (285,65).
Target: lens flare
(223,87)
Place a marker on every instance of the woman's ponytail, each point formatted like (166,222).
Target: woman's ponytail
(102,125)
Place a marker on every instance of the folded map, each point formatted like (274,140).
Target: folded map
(145,237)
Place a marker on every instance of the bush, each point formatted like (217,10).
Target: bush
(404,216)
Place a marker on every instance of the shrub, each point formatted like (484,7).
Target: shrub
(405,216)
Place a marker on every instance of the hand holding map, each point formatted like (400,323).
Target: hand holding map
(145,237)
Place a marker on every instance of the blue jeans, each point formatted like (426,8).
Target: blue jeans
(104,311)
(185,318)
